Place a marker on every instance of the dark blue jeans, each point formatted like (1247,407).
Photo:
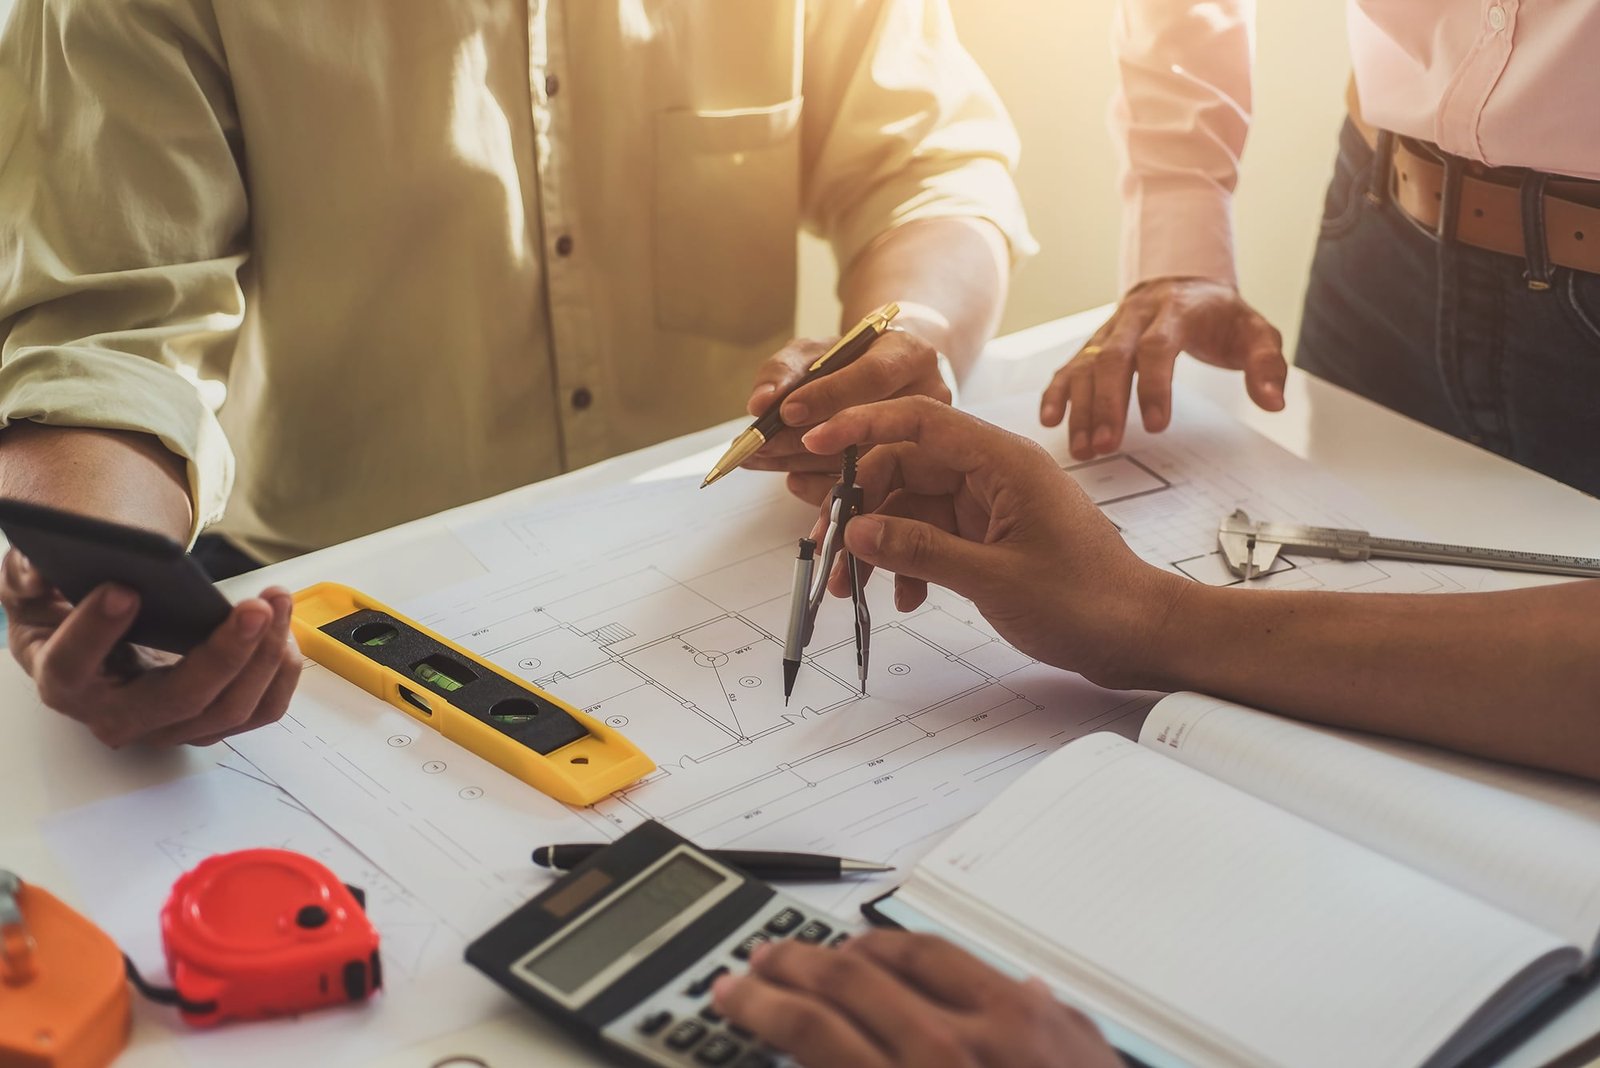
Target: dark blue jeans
(1452,335)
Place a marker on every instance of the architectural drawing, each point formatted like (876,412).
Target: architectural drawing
(690,669)
(1168,498)
(659,608)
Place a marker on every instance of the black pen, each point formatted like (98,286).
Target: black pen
(778,867)
(848,348)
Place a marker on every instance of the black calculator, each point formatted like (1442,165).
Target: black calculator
(624,948)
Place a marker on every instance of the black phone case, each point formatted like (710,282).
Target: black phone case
(178,605)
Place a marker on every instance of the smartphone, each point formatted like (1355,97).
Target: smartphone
(178,605)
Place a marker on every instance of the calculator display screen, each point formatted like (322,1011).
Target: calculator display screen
(622,923)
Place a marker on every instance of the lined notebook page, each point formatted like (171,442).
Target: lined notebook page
(1527,843)
(1298,945)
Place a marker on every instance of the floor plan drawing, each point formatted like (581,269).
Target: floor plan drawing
(1169,496)
(1167,493)
(690,669)
(659,609)
(679,648)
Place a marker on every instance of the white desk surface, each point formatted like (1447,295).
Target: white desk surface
(1441,485)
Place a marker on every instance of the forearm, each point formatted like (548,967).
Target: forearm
(1514,676)
(110,474)
(1179,119)
(949,276)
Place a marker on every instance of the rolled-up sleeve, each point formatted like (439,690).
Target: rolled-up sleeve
(900,124)
(1179,118)
(123,227)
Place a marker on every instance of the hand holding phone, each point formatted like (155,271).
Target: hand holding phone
(106,585)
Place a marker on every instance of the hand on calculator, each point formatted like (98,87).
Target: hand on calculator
(889,999)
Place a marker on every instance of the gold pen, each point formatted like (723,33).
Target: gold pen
(852,345)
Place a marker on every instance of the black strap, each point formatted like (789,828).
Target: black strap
(165,995)
(1378,180)
(1535,239)
(1450,199)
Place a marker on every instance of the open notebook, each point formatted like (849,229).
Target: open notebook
(1240,889)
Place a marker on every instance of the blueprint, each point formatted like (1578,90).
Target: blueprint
(1167,493)
(659,608)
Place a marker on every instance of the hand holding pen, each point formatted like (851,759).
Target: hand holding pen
(892,362)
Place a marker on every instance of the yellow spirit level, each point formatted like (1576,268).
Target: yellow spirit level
(534,735)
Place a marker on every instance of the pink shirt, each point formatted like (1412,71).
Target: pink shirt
(1505,82)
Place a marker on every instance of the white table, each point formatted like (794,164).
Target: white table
(1442,485)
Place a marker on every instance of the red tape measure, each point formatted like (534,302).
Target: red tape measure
(262,933)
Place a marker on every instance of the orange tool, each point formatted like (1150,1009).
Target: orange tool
(63,999)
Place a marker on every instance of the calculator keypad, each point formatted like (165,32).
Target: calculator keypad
(719,1049)
(786,921)
(702,986)
(748,946)
(686,1034)
(678,1026)
(758,1058)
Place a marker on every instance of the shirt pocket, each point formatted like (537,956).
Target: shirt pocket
(726,220)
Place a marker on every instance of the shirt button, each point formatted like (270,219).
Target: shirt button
(582,398)
(564,245)
(552,85)
(1497,18)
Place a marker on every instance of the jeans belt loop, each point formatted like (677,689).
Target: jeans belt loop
(1535,236)
(1450,199)
(1378,182)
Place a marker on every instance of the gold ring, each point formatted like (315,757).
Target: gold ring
(1091,350)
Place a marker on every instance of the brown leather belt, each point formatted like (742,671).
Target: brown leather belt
(1490,213)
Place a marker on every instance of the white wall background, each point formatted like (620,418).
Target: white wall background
(1050,60)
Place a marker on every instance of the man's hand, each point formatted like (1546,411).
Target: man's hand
(239,679)
(981,511)
(899,364)
(889,999)
(1154,322)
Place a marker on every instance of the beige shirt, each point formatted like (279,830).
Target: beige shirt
(403,254)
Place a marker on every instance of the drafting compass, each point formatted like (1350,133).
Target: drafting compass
(1251,548)
(811,581)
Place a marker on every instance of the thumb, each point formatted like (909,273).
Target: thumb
(920,550)
(1265,371)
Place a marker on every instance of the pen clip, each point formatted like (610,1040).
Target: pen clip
(875,323)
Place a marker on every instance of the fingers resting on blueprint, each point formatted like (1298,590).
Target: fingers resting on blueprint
(1155,321)
(238,679)
(899,364)
(890,999)
(960,503)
